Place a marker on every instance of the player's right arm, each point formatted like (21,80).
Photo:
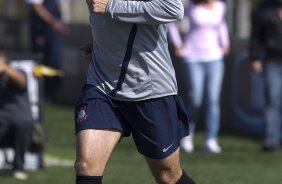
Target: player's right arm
(143,12)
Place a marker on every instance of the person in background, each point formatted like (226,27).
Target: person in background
(266,59)
(131,88)
(202,50)
(15,114)
(47,31)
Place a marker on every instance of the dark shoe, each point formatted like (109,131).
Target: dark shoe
(270,147)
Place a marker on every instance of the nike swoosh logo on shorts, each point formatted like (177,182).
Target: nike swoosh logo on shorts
(165,149)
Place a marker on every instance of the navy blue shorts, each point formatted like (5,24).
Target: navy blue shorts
(157,125)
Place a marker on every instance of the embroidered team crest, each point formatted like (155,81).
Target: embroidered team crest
(82,114)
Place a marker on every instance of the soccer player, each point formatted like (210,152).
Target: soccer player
(131,89)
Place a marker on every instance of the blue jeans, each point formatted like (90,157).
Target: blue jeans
(272,113)
(204,81)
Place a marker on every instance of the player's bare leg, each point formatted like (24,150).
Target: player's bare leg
(168,170)
(94,148)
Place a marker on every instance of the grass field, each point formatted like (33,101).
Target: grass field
(242,162)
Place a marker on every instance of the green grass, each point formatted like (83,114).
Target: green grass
(58,121)
(242,162)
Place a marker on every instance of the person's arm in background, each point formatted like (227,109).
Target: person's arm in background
(256,45)
(14,75)
(224,35)
(224,38)
(143,12)
(175,38)
(46,16)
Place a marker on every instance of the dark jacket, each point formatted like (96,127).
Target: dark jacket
(37,23)
(266,37)
(14,103)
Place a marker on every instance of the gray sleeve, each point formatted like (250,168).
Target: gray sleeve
(146,11)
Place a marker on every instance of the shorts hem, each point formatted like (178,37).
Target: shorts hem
(124,134)
(160,157)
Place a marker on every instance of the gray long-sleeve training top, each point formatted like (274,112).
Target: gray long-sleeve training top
(130,58)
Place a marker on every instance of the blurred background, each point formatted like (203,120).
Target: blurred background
(241,103)
(15,38)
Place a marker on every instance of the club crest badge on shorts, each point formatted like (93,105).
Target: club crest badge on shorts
(82,114)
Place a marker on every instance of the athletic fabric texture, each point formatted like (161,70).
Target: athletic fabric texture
(130,58)
(157,125)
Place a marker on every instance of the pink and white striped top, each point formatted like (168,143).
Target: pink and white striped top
(207,35)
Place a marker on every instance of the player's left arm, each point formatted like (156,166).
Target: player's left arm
(86,51)
(145,12)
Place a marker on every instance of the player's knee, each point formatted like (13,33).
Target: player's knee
(83,167)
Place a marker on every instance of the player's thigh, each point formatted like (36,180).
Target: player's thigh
(169,165)
(94,148)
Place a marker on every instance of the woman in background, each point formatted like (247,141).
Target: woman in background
(202,50)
